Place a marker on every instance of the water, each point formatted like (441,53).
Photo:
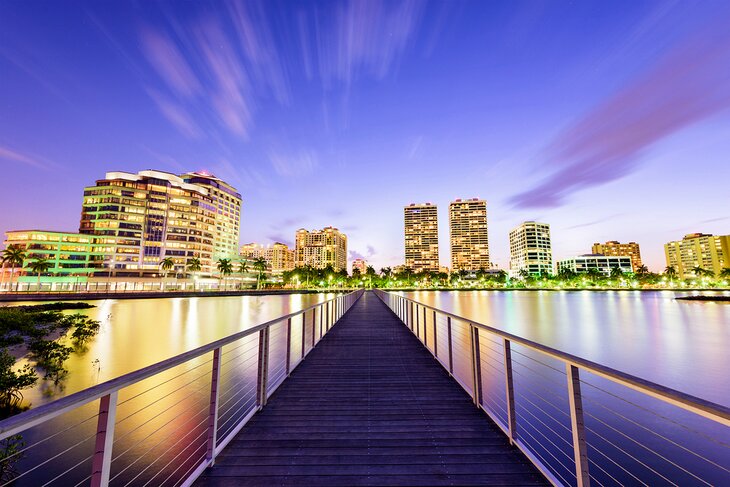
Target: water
(161,433)
(136,333)
(679,344)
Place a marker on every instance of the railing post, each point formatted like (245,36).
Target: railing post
(213,407)
(510,392)
(476,364)
(435,342)
(410,321)
(288,346)
(102,461)
(451,355)
(314,324)
(263,372)
(580,448)
(304,333)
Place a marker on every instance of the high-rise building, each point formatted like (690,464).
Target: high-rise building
(227,204)
(278,256)
(421,237)
(468,230)
(140,219)
(599,262)
(709,252)
(321,248)
(359,265)
(614,248)
(530,249)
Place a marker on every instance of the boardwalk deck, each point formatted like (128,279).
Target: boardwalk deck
(370,406)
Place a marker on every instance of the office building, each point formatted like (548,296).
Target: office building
(614,248)
(359,265)
(321,248)
(70,254)
(709,252)
(421,237)
(227,204)
(598,262)
(530,249)
(468,231)
(140,219)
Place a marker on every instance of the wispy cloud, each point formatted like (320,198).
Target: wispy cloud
(164,56)
(415,146)
(299,164)
(690,84)
(364,37)
(175,114)
(29,160)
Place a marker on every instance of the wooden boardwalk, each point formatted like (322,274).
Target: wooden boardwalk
(370,406)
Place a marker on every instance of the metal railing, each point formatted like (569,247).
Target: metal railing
(578,421)
(166,423)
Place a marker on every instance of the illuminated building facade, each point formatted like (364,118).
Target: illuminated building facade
(360,265)
(709,252)
(598,262)
(227,204)
(468,231)
(70,254)
(530,249)
(614,248)
(278,256)
(321,248)
(421,237)
(140,219)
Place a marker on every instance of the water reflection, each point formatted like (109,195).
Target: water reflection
(679,344)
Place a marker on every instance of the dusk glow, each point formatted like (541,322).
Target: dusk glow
(607,120)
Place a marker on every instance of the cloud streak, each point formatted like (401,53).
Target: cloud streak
(14,156)
(691,83)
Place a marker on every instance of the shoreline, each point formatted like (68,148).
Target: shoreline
(96,296)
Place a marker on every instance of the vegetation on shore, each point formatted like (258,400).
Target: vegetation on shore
(42,334)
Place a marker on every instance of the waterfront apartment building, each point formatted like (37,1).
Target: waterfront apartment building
(321,248)
(140,219)
(709,252)
(227,205)
(598,262)
(530,249)
(468,232)
(70,254)
(278,256)
(421,237)
(614,248)
(359,265)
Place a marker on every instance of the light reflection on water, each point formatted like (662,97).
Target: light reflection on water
(136,333)
(678,344)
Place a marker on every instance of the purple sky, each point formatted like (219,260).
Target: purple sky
(608,120)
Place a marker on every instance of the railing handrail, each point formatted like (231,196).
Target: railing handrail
(34,416)
(708,409)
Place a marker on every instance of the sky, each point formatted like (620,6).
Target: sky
(607,120)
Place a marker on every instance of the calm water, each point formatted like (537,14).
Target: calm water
(139,332)
(684,345)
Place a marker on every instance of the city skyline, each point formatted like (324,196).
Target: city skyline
(280,104)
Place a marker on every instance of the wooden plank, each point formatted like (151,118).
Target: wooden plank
(370,406)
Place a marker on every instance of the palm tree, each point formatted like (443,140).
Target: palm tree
(194,266)
(670,272)
(617,272)
(242,269)
(225,268)
(725,273)
(15,257)
(40,266)
(700,271)
(167,264)
(260,266)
